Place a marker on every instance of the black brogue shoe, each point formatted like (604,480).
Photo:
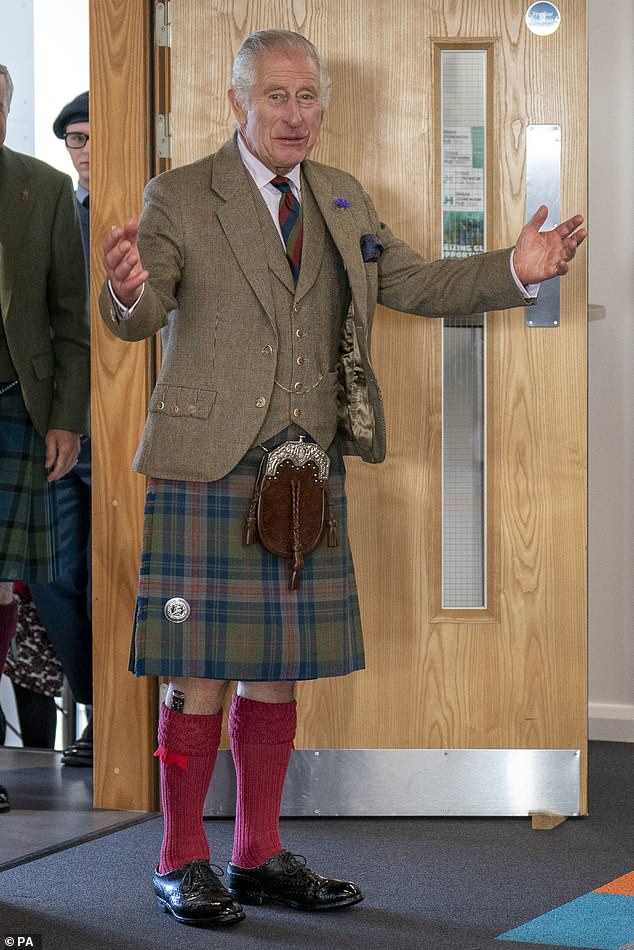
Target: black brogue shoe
(194,895)
(286,880)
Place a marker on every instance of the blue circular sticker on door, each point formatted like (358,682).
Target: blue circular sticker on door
(543,18)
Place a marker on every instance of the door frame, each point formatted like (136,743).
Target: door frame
(125,709)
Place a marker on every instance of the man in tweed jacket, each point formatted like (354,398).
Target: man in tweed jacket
(255,352)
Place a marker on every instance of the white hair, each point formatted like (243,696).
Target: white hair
(267,41)
(7,75)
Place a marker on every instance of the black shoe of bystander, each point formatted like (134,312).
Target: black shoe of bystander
(5,804)
(80,752)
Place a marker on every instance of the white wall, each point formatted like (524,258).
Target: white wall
(45,46)
(611,374)
(16,52)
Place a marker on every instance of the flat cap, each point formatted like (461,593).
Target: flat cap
(75,111)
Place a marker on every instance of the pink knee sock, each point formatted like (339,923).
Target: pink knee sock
(261,741)
(8,624)
(187,748)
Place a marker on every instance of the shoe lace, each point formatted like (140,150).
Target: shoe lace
(295,865)
(198,876)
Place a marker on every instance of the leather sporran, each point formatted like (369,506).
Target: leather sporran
(290,509)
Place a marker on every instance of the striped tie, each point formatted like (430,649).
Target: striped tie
(290,224)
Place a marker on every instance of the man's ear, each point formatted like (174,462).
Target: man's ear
(238,111)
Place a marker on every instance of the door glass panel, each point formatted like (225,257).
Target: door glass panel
(463,202)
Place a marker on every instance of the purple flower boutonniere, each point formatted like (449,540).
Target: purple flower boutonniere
(371,248)
(342,203)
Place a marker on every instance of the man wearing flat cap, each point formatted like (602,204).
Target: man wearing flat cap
(72,126)
(44,363)
(64,605)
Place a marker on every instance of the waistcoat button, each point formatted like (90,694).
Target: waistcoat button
(300,333)
(298,387)
(301,360)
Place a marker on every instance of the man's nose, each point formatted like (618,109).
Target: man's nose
(293,113)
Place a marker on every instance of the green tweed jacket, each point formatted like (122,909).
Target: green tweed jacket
(210,286)
(43,293)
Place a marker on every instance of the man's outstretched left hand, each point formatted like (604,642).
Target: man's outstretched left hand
(541,255)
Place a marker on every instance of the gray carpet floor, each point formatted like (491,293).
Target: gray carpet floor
(429,883)
(51,806)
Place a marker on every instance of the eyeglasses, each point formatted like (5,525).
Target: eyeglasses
(75,139)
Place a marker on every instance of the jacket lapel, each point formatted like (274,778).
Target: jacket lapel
(340,224)
(237,216)
(16,202)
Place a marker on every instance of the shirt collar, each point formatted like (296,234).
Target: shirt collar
(80,193)
(260,174)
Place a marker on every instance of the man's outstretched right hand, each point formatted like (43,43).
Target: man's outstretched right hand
(123,263)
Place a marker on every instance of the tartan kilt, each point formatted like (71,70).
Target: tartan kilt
(27,544)
(244,624)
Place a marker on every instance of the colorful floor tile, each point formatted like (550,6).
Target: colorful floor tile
(601,920)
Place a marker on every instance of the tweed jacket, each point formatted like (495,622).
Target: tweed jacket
(43,292)
(210,288)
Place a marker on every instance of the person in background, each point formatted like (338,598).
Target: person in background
(36,675)
(64,605)
(44,363)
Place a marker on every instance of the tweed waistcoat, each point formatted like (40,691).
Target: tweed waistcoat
(309,330)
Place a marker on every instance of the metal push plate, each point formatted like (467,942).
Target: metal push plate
(543,187)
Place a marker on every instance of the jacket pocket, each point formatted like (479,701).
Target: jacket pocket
(43,365)
(181,401)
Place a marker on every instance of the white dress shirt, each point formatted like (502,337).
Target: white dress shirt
(262,176)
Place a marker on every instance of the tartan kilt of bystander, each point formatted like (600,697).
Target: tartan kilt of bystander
(27,548)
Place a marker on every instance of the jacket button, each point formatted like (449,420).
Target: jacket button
(300,333)
(267,349)
(301,360)
(298,387)
(297,413)
(260,402)
(297,308)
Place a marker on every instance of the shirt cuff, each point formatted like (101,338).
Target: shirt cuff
(125,312)
(528,292)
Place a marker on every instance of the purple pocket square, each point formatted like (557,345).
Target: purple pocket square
(371,247)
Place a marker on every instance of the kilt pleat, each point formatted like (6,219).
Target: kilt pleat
(27,548)
(243,623)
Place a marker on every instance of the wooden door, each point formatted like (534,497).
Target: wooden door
(507,675)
